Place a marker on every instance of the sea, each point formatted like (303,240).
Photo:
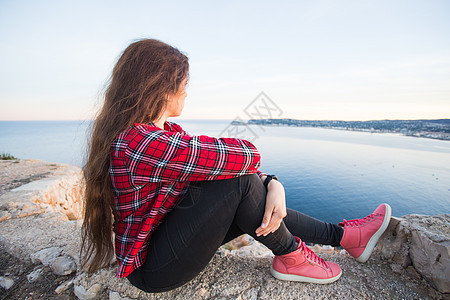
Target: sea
(328,174)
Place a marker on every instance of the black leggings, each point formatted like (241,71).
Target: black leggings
(211,214)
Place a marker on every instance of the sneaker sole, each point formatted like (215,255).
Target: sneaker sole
(374,239)
(291,277)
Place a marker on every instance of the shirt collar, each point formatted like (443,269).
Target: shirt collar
(168,126)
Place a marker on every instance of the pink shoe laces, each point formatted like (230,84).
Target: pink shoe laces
(311,255)
(358,222)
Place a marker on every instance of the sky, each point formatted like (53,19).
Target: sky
(316,60)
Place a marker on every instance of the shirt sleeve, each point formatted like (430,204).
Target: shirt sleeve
(157,156)
(260,174)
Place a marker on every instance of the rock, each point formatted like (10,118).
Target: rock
(239,242)
(223,252)
(253,250)
(63,265)
(45,256)
(412,272)
(19,204)
(394,242)
(423,242)
(35,275)
(107,279)
(4,215)
(6,282)
(43,219)
(64,286)
(250,294)
(327,249)
(88,294)
(315,248)
(397,268)
(203,293)
(116,296)
(48,230)
(244,246)
(430,249)
(60,193)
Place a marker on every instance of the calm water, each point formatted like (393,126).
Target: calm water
(54,141)
(328,174)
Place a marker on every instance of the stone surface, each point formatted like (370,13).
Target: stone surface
(397,268)
(14,173)
(327,249)
(32,221)
(48,230)
(116,296)
(394,243)
(63,265)
(6,282)
(45,256)
(423,242)
(60,192)
(251,248)
(35,275)
(234,277)
(430,249)
(86,294)
(64,286)
(56,189)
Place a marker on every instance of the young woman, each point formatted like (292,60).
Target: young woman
(172,199)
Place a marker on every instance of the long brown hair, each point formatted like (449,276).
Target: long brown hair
(144,75)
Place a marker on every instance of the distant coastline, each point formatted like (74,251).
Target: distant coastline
(432,129)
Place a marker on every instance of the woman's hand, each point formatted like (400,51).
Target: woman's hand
(275,209)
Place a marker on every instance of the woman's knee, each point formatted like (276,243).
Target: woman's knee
(253,184)
(252,179)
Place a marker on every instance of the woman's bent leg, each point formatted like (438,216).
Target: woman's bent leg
(308,229)
(189,236)
(212,213)
(311,230)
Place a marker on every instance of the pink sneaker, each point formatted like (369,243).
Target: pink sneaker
(361,235)
(305,266)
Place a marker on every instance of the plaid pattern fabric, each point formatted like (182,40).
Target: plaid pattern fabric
(150,170)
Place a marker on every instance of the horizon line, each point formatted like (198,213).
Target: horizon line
(227,119)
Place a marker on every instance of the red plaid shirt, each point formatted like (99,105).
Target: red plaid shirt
(150,170)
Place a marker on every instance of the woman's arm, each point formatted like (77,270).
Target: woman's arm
(154,156)
(275,208)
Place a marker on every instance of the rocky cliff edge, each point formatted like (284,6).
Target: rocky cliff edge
(40,211)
